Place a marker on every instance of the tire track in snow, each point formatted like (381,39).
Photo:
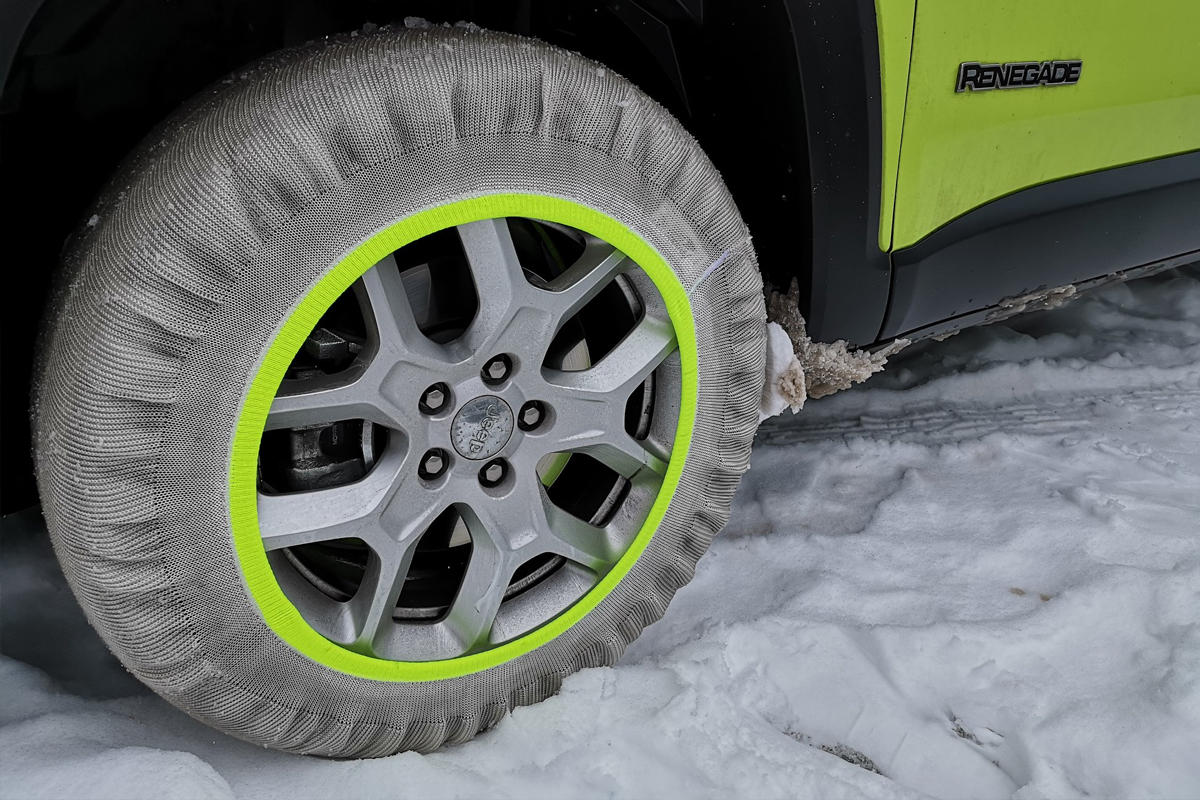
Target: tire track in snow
(934,422)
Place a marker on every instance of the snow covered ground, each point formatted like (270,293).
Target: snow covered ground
(976,576)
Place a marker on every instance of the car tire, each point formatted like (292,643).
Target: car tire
(201,279)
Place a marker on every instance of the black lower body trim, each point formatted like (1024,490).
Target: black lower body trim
(1070,231)
(998,313)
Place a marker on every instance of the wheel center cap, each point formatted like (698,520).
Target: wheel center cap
(482,427)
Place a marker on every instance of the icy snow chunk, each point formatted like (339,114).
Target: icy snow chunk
(1034,301)
(818,368)
(422,24)
(779,360)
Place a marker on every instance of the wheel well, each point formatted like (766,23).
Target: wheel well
(91,79)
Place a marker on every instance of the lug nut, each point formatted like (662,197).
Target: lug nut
(493,473)
(497,369)
(531,416)
(434,399)
(433,463)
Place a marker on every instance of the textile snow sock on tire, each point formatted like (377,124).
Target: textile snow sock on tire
(374,402)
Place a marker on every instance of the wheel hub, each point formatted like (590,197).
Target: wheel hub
(482,427)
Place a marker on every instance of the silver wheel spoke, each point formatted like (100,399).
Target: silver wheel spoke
(410,509)
(511,531)
(626,367)
(395,329)
(517,317)
(590,404)
(344,512)
(585,425)
(350,394)
(400,362)
(624,455)
(579,541)
(372,605)
(488,574)
(583,280)
(499,281)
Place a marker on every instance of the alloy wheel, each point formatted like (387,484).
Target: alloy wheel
(469,440)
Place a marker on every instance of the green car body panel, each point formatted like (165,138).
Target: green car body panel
(950,152)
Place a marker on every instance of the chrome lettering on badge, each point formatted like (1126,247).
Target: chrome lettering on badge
(1016,75)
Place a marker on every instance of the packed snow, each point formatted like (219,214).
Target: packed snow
(975,576)
(815,369)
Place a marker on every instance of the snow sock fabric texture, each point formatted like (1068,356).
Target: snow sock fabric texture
(211,234)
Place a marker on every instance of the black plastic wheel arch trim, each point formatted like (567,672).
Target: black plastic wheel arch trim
(1064,232)
(837,47)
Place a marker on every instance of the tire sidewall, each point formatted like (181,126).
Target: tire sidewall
(219,197)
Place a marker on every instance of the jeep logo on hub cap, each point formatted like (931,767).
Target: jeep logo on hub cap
(482,427)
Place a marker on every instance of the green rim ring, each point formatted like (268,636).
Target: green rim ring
(277,611)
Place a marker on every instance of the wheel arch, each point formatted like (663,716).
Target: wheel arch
(84,82)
